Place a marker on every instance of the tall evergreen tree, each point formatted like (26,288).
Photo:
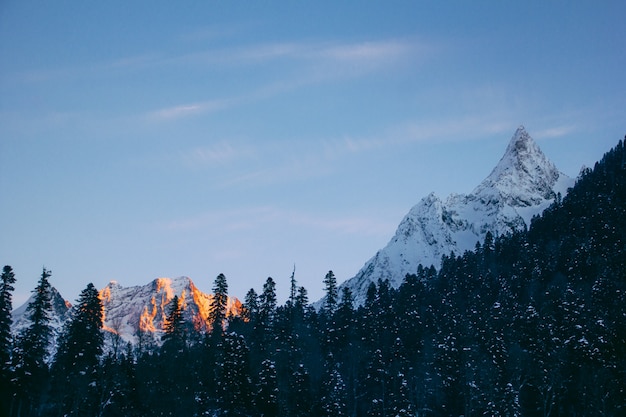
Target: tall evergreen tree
(266,399)
(293,288)
(234,383)
(300,389)
(6,306)
(77,362)
(217,311)
(267,304)
(302,299)
(6,340)
(31,350)
(250,305)
(332,296)
(174,338)
(333,401)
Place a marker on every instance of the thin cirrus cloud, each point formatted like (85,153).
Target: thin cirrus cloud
(554,132)
(402,134)
(371,52)
(190,109)
(315,63)
(217,154)
(331,54)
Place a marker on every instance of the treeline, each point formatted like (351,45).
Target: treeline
(528,324)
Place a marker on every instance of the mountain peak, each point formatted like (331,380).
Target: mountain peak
(523,184)
(524,176)
(523,146)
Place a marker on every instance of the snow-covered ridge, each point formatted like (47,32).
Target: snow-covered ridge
(523,184)
(131,311)
(59,314)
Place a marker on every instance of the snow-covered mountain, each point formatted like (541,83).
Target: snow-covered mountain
(61,309)
(60,313)
(521,185)
(130,310)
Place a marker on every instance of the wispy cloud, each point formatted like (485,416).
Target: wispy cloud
(216,154)
(554,132)
(377,52)
(190,109)
(330,51)
(362,55)
(448,130)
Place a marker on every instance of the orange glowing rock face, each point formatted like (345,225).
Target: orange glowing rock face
(146,320)
(129,311)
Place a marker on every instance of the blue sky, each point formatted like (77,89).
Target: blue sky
(148,139)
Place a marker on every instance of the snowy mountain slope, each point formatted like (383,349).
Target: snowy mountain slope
(523,184)
(129,309)
(61,310)
(60,313)
(144,308)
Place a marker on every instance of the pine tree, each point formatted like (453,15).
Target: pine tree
(234,384)
(6,340)
(293,289)
(77,361)
(267,305)
(174,338)
(217,311)
(333,401)
(402,406)
(330,285)
(344,319)
(377,384)
(266,399)
(31,350)
(6,306)
(302,299)
(300,393)
(250,306)
(267,308)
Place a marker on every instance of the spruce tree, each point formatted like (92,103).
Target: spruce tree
(333,401)
(293,289)
(344,320)
(174,337)
(234,383)
(330,285)
(264,337)
(302,299)
(217,310)
(6,306)
(266,399)
(300,389)
(267,304)
(6,288)
(250,306)
(31,349)
(76,369)
(268,300)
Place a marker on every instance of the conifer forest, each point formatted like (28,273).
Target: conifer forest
(527,324)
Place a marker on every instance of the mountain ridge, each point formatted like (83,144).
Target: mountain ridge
(522,184)
(134,312)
